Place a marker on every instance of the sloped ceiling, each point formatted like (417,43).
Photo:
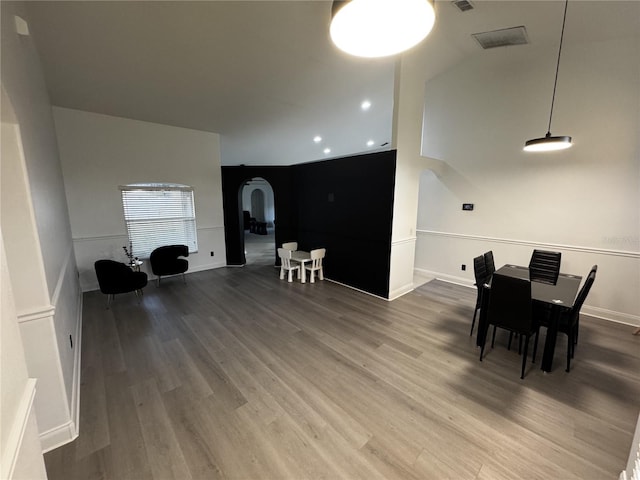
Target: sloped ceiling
(264,74)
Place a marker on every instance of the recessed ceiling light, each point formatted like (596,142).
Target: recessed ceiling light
(370,143)
(327,150)
(317,139)
(366,105)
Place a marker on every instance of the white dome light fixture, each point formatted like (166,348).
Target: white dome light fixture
(379,28)
(549,143)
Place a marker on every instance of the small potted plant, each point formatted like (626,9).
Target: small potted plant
(133,261)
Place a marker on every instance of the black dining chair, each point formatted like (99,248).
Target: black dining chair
(510,307)
(594,270)
(489,263)
(480,273)
(544,266)
(568,322)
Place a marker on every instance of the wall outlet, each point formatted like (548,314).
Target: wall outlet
(464,267)
(212,254)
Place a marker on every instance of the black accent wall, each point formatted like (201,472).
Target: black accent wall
(344,205)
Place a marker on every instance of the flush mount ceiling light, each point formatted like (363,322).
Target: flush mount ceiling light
(379,28)
(549,143)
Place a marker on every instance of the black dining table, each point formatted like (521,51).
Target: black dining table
(560,297)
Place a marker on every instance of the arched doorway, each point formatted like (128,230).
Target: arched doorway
(259,234)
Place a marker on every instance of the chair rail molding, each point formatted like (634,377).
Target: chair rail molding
(528,243)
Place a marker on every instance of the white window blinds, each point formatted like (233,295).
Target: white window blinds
(157,215)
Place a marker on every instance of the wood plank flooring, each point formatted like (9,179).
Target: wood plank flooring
(238,375)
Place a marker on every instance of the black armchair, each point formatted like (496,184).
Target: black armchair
(165,261)
(116,277)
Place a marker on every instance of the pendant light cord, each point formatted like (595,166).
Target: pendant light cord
(555,82)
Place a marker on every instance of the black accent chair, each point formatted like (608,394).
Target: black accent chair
(570,320)
(480,273)
(510,307)
(544,266)
(164,261)
(116,277)
(489,263)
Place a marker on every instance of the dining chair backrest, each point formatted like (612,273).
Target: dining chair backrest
(510,304)
(489,263)
(316,257)
(584,291)
(544,266)
(285,257)
(479,271)
(293,246)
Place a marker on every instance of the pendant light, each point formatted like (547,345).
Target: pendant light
(549,143)
(379,28)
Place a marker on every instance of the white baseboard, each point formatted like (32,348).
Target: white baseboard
(77,366)
(398,292)
(13,445)
(612,316)
(444,277)
(58,436)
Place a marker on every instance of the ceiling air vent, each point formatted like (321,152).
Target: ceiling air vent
(502,38)
(463,5)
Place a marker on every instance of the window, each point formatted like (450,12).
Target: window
(159,214)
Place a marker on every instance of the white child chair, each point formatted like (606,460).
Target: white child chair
(316,263)
(293,246)
(287,265)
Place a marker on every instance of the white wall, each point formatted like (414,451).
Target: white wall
(35,227)
(99,153)
(19,443)
(583,201)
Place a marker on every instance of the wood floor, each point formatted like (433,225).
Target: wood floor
(239,375)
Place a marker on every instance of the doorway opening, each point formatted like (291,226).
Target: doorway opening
(259,222)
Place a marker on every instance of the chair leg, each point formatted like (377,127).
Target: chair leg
(524,356)
(281,273)
(320,274)
(313,276)
(158,281)
(535,346)
(290,278)
(493,338)
(473,322)
(569,349)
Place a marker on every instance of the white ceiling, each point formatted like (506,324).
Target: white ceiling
(264,74)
